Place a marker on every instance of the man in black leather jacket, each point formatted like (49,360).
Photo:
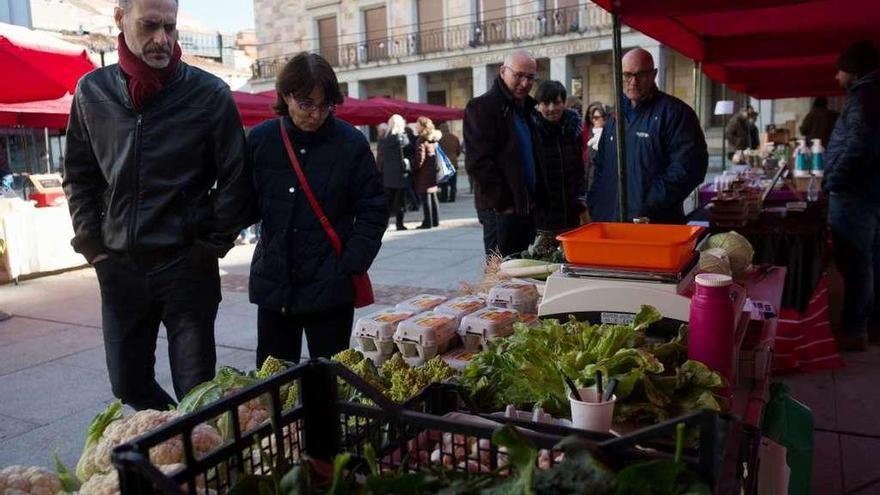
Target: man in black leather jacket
(158,190)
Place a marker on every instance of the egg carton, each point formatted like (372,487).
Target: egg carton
(424,336)
(374,333)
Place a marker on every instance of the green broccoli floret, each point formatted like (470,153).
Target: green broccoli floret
(271,366)
(392,366)
(349,357)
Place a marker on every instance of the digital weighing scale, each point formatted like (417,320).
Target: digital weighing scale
(614,295)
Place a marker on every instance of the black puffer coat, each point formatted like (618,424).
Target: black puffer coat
(294,268)
(389,157)
(559,149)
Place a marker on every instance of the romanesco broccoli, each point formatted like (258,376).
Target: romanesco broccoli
(271,366)
(438,369)
(349,357)
(367,370)
(393,365)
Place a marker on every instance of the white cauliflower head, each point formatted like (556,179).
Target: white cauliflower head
(24,480)
(205,438)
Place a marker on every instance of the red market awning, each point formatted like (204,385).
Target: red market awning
(38,66)
(254,107)
(374,111)
(52,114)
(764,48)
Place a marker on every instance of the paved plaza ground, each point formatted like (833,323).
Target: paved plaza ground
(53,377)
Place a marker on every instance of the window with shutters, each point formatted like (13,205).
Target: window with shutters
(376,23)
(328,40)
(431,35)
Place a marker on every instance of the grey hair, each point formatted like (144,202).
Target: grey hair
(508,60)
(125,5)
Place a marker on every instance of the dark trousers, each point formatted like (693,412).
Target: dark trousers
(280,335)
(490,230)
(855,230)
(515,233)
(184,295)
(430,213)
(449,189)
(396,204)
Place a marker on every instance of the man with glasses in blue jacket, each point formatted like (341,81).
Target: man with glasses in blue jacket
(666,156)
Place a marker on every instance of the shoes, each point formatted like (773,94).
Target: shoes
(423,227)
(852,343)
(436,224)
(401,227)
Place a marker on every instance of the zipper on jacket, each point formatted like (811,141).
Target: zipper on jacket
(136,192)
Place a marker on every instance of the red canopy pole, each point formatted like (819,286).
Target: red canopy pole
(619,131)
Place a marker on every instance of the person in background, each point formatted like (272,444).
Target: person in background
(741,132)
(409,152)
(394,167)
(5,170)
(597,116)
(499,138)
(560,205)
(666,156)
(819,122)
(852,178)
(297,279)
(575,104)
(381,131)
(158,189)
(425,171)
(452,147)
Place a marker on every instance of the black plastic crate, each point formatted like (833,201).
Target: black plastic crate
(415,433)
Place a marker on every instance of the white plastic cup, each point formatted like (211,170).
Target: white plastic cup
(590,415)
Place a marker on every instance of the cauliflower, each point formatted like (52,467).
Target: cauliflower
(97,460)
(349,357)
(21,480)
(108,484)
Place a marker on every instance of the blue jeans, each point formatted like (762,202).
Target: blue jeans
(855,230)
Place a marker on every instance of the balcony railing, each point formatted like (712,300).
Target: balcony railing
(553,22)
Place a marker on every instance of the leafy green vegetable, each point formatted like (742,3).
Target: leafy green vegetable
(524,369)
(69,482)
(96,430)
(521,456)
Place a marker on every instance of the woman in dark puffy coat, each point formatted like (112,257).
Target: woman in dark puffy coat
(426,170)
(297,279)
(395,167)
(560,156)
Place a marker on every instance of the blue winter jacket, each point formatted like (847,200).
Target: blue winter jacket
(852,157)
(666,160)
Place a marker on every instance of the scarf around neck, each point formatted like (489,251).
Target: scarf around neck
(143,80)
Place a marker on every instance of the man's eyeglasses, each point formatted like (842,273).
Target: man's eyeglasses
(629,76)
(310,106)
(522,75)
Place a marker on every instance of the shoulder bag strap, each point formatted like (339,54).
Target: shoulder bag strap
(304,184)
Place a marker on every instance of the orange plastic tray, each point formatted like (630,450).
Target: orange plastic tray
(622,245)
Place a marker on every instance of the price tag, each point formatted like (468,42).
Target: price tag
(618,318)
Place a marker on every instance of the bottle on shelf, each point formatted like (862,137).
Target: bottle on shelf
(818,152)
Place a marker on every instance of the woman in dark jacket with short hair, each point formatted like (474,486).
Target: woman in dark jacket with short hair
(561,205)
(297,279)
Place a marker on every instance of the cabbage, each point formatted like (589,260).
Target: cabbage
(737,247)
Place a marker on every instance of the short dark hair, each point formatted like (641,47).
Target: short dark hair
(820,102)
(550,91)
(300,76)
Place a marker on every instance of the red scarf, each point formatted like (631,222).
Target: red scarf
(143,80)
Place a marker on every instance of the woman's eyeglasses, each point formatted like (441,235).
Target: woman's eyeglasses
(311,107)
(597,117)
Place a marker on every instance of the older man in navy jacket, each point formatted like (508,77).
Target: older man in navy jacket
(665,150)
